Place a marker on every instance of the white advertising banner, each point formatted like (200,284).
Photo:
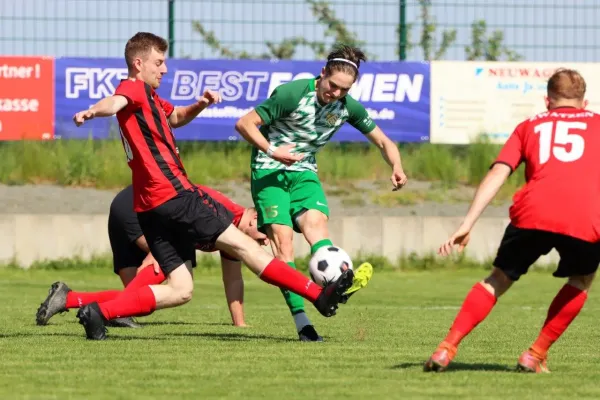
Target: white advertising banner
(472,99)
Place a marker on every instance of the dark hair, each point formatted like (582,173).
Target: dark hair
(352,54)
(141,44)
(566,84)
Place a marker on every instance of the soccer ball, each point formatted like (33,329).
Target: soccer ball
(327,264)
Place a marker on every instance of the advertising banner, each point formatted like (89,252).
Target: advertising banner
(471,99)
(396,95)
(26,98)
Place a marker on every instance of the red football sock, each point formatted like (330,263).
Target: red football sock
(280,274)
(131,303)
(563,310)
(475,308)
(146,277)
(80,299)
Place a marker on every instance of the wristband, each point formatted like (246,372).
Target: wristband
(271,150)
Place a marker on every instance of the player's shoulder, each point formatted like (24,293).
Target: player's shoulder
(296,87)
(130,84)
(350,102)
(133,90)
(570,114)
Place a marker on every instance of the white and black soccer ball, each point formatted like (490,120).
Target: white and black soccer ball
(327,264)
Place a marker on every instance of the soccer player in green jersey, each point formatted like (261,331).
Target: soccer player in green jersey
(297,120)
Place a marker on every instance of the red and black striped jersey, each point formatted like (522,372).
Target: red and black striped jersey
(157,171)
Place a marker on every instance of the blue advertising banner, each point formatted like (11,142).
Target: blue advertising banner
(396,94)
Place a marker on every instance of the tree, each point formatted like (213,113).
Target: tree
(335,28)
(428,34)
(488,49)
(482,47)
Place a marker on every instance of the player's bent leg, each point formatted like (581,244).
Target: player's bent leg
(562,311)
(276,272)
(151,279)
(477,305)
(61,299)
(177,290)
(518,250)
(140,302)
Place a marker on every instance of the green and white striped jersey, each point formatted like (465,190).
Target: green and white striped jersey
(293,115)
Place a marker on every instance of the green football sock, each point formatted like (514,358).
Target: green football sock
(319,244)
(294,302)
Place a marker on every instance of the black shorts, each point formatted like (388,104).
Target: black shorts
(125,253)
(123,231)
(520,248)
(176,227)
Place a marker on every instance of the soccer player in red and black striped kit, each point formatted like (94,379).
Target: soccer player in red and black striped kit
(173,213)
(136,266)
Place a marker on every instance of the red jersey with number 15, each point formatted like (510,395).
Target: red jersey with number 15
(157,171)
(561,152)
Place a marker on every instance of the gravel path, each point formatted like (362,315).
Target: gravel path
(50,199)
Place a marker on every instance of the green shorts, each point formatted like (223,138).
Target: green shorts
(279,196)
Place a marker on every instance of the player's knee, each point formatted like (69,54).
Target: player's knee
(313,224)
(184,292)
(314,220)
(582,282)
(497,282)
(185,295)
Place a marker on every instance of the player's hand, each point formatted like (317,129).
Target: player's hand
(210,97)
(149,260)
(284,156)
(83,116)
(263,242)
(398,179)
(460,238)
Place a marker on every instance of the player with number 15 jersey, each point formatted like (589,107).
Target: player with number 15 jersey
(560,149)
(557,208)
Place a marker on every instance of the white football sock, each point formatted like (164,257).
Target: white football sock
(301,321)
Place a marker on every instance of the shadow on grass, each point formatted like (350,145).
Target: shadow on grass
(234,336)
(20,335)
(457,367)
(160,323)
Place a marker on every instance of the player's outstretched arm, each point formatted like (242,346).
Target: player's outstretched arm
(184,115)
(247,126)
(486,192)
(234,289)
(106,107)
(391,155)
